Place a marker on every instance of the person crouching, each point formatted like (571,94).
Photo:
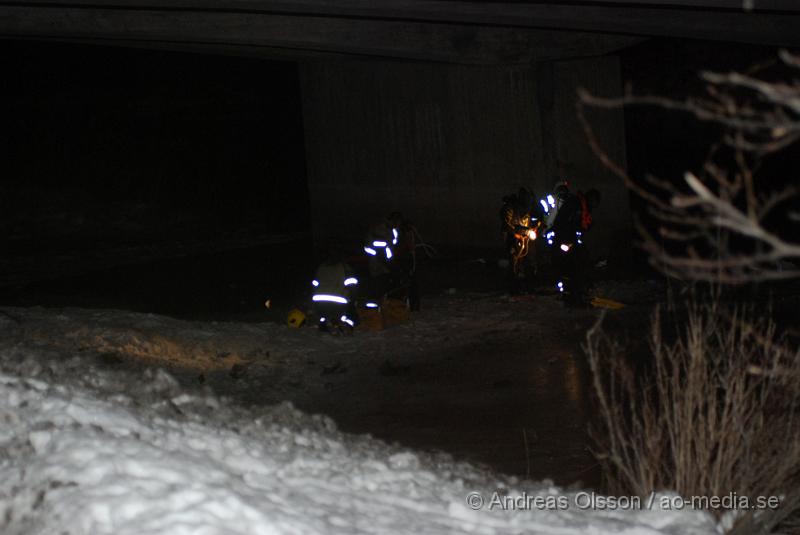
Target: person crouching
(333,296)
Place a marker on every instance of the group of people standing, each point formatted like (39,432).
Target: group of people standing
(545,238)
(341,294)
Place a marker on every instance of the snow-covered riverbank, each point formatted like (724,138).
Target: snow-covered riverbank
(91,451)
(492,381)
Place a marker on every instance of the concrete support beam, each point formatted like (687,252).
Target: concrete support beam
(440,143)
(443,144)
(269,34)
(569,154)
(465,32)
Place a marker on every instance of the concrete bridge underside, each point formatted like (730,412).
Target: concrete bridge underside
(433,107)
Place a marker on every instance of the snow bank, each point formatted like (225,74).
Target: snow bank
(87,451)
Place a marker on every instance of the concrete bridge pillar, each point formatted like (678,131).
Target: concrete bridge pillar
(444,143)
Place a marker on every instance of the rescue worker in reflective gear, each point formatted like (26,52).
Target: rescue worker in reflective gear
(520,227)
(391,248)
(550,204)
(566,238)
(333,294)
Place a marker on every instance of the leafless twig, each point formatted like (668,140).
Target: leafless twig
(714,412)
(715,225)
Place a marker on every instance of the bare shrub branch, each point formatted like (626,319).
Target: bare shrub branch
(711,413)
(714,225)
